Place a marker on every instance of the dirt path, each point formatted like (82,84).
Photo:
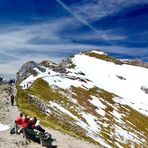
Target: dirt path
(9,113)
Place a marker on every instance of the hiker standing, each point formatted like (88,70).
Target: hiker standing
(12,100)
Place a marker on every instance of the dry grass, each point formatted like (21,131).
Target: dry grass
(104,57)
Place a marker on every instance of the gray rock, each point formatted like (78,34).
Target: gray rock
(26,70)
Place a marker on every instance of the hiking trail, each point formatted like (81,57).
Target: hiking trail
(9,113)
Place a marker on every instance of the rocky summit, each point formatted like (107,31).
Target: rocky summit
(91,96)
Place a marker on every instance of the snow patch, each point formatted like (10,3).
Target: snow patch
(100,112)
(100,106)
(98,52)
(91,120)
(96,102)
(55,105)
(116,114)
(126,136)
(56,79)
(4,127)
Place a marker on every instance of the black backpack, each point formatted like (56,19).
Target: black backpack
(13,130)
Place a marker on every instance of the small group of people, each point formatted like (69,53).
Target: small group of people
(11,81)
(27,122)
(26,85)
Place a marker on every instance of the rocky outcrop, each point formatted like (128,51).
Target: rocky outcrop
(28,69)
(67,63)
(48,64)
(41,105)
(137,63)
(58,68)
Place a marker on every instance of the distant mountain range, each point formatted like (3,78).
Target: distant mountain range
(90,95)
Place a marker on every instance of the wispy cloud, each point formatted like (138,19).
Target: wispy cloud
(95,9)
(45,37)
(35,42)
(76,16)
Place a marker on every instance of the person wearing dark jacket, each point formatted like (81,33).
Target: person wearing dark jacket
(38,127)
(12,100)
(31,124)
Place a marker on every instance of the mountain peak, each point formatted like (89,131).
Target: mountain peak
(98,52)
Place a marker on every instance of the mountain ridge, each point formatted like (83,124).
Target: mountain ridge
(92,110)
(65,62)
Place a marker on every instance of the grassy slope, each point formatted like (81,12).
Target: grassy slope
(41,89)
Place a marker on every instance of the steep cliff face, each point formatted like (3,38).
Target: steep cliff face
(90,95)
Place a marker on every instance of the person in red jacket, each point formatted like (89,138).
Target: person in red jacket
(19,119)
(18,123)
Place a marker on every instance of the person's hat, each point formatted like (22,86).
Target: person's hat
(31,119)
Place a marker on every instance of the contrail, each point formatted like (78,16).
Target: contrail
(81,20)
(76,16)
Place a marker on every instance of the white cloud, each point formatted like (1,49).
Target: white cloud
(94,10)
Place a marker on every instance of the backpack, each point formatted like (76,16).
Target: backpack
(13,130)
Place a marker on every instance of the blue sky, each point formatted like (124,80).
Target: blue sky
(55,29)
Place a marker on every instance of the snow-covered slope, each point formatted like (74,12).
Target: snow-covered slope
(123,80)
(98,94)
